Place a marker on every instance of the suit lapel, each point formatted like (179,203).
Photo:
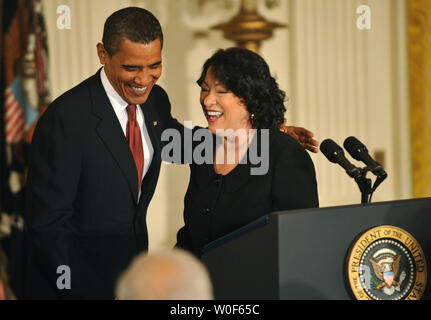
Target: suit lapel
(152,125)
(111,133)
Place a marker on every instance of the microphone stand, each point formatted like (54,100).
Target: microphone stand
(364,184)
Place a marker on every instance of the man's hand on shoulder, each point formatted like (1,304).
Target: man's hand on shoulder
(302,135)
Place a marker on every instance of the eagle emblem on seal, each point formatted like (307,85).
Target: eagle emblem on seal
(386,267)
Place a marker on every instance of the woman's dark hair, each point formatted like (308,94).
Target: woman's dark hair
(132,23)
(247,75)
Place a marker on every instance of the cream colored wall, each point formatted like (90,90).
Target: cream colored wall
(317,100)
(347,81)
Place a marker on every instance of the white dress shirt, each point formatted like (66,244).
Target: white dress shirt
(120,109)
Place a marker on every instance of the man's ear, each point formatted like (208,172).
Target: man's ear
(102,53)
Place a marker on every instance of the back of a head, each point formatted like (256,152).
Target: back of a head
(132,23)
(165,275)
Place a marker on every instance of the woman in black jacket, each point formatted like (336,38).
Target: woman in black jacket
(257,168)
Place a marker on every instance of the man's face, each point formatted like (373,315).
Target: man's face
(134,69)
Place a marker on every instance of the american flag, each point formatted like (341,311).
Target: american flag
(14,118)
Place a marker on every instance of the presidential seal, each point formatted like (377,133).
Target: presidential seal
(386,263)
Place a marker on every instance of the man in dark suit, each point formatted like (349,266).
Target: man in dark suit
(94,164)
(86,213)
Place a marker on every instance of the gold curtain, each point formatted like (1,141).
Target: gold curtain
(419,38)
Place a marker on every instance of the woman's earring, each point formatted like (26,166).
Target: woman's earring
(252,119)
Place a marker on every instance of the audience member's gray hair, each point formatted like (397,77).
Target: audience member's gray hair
(165,275)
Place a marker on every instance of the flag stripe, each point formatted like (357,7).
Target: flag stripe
(8,94)
(16,122)
(15,125)
(16,137)
(11,110)
(12,119)
(17,134)
(9,97)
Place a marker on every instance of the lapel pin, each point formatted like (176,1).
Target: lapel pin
(155,123)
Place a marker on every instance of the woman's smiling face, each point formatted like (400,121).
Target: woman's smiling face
(223,109)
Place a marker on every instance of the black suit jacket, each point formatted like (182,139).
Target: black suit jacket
(216,205)
(82,201)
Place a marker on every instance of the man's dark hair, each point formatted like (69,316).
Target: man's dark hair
(247,75)
(132,23)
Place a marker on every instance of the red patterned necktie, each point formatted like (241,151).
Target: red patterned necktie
(133,135)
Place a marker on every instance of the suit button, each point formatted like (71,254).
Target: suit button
(206,211)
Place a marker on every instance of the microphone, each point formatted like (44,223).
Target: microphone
(335,154)
(360,152)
